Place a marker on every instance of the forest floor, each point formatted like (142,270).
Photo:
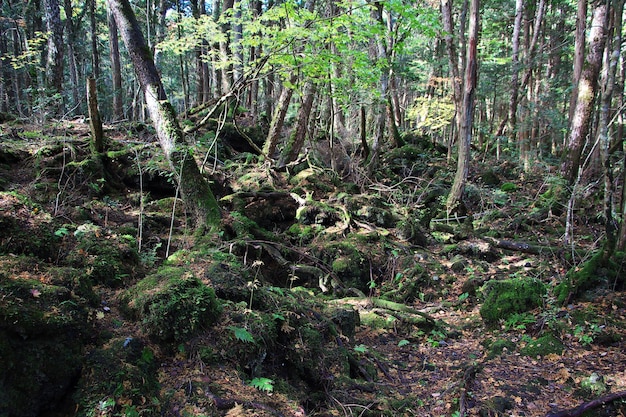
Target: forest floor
(452,363)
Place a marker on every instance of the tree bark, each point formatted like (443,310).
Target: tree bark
(95,122)
(587,88)
(95,56)
(296,140)
(519,13)
(71,55)
(195,191)
(611,59)
(467,116)
(116,68)
(278,119)
(579,54)
(54,58)
(453,63)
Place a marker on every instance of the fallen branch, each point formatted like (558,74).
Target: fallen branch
(228,403)
(589,405)
(468,380)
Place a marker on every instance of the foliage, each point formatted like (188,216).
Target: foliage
(242,334)
(263,384)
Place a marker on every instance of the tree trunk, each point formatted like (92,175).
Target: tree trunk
(54,58)
(296,140)
(195,191)
(71,55)
(95,57)
(453,63)
(116,69)
(587,87)
(278,119)
(95,122)
(457,192)
(579,54)
(611,60)
(519,13)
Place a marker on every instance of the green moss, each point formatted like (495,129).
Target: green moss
(243,227)
(508,187)
(173,304)
(499,346)
(542,346)
(506,297)
(77,281)
(590,274)
(109,259)
(304,233)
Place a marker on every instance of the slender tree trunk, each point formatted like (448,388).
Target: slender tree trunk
(587,87)
(195,191)
(116,68)
(453,63)
(579,54)
(611,60)
(95,122)
(455,198)
(519,13)
(278,119)
(160,30)
(226,54)
(95,56)
(296,140)
(71,55)
(54,59)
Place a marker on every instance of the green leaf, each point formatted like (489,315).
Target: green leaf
(403,342)
(263,384)
(360,348)
(61,232)
(242,334)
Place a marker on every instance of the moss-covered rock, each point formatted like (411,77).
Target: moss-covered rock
(593,273)
(506,297)
(543,346)
(42,333)
(499,347)
(25,229)
(109,259)
(173,304)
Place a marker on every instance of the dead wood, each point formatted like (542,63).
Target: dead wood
(228,403)
(468,380)
(589,405)
(523,246)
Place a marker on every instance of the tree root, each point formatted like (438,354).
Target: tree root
(228,403)
(589,405)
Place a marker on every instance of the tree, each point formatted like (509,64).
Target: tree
(54,58)
(467,113)
(116,69)
(587,88)
(194,189)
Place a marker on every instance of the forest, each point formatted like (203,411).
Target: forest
(312,208)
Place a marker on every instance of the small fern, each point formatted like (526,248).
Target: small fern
(263,384)
(242,334)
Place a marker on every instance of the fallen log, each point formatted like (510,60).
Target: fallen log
(589,405)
